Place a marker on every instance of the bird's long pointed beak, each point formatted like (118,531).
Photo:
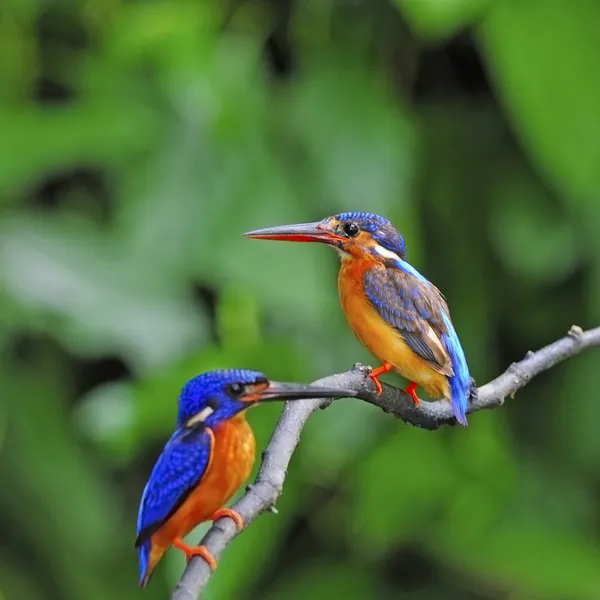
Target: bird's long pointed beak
(301,232)
(298,391)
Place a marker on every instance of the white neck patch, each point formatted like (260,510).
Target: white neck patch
(385,252)
(201,416)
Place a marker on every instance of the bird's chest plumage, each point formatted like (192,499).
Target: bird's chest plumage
(230,465)
(233,458)
(362,318)
(383,340)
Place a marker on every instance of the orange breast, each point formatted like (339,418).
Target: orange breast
(378,336)
(230,466)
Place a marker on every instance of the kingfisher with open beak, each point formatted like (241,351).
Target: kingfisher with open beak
(395,312)
(207,459)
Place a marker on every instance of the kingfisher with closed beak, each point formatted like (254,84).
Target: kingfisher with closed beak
(207,459)
(395,312)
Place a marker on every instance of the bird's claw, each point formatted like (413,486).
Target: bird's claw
(191,551)
(232,514)
(473,392)
(377,383)
(386,367)
(411,390)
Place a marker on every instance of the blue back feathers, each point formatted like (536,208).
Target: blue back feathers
(201,391)
(382,230)
(177,472)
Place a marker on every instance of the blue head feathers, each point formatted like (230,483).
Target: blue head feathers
(219,395)
(380,229)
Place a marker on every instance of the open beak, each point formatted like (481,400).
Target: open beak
(297,391)
(302,232)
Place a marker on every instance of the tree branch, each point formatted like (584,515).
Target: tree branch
(261,496)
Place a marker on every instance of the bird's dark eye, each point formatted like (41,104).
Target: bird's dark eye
(236,389)
(351,229)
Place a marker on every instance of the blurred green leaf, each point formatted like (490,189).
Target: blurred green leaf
(533,561)
(393,506)
(542,58)
(484,453)
(17,65)
(237,318)
(15,584)
(324,581)
(37,142)
(341,115)
(576,428)
(434,19)
(63,501)
(532,238)
(105,303)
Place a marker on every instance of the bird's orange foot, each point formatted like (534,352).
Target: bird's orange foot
(411,390)
(191,551)
(227,512)
(386,367)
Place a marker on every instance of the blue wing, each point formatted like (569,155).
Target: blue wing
(177,472)
(415,308)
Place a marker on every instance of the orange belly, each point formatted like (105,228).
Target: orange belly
(379,337)
(231,463)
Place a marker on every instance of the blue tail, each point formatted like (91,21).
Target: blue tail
(460,382)
(144,554)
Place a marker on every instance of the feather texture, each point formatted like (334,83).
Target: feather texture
(399,301)
(460,382)
(198,392)
(415,308)
(177,472)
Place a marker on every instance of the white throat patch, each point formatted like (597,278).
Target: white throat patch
(343,255)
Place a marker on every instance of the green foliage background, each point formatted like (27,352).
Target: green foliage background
(138,139)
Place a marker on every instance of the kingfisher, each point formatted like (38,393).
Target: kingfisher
(393,310)
(207,459)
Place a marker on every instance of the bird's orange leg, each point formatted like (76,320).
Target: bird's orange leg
(202,551)
(411,390)
(386,367)
(190,551)
(227,512)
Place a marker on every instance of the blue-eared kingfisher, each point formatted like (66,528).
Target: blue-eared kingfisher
(207,459)
(395,312)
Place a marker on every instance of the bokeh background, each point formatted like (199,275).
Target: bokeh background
(138,139)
